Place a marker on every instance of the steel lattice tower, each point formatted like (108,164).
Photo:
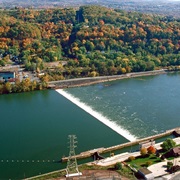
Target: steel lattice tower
(72,162)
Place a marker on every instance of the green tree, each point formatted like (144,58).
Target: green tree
(118,166)
(169,165)
(168,144)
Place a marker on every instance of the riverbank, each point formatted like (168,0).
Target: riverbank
(107,162)
(76,82)
(94,80)
(82,155)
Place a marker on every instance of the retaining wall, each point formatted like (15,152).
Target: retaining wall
(93,80)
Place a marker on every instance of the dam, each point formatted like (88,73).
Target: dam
(94,80)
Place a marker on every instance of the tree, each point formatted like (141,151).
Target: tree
(25,85)
(89,46)
(7,87)
(143,151)
(118,166)
(93,74)
(169,165)
(33,85)
(131,158)
(168,144)
(151,150)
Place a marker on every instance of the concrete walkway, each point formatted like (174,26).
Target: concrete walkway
(114,159)
(160,169)
(124,156)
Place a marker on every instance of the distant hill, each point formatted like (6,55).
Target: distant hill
(161,7)
(91,40)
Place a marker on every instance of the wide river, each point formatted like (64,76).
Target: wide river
(35,126)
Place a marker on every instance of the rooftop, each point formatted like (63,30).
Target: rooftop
(176,150)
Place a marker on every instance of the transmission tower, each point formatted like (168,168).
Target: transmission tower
(72,167)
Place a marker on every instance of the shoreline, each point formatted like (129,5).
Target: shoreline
(78,82)
(91,163)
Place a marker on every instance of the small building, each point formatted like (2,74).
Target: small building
(146,144)
(146,174)
(175,152)
(7,76)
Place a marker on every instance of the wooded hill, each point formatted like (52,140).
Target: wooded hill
(93,41)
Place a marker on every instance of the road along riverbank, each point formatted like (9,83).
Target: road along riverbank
(94,80)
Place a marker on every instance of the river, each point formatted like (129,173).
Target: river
(140,106)
(35,125)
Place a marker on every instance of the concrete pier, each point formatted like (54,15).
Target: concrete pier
(120,146)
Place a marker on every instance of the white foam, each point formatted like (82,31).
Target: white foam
(114,126)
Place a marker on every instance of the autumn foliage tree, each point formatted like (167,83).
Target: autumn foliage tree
(143,151)
(90,39)
(151,150)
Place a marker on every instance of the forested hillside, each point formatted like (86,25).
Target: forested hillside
(92,41)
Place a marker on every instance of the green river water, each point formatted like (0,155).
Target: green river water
(35,127)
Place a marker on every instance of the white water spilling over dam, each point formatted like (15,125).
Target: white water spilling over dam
(115,127)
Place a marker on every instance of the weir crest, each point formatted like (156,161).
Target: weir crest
(115,127)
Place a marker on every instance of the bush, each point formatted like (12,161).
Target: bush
(143,151)
(118,166)
(148,163)
(131,158)
(169,165)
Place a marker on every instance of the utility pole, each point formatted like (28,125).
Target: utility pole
(72,167)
